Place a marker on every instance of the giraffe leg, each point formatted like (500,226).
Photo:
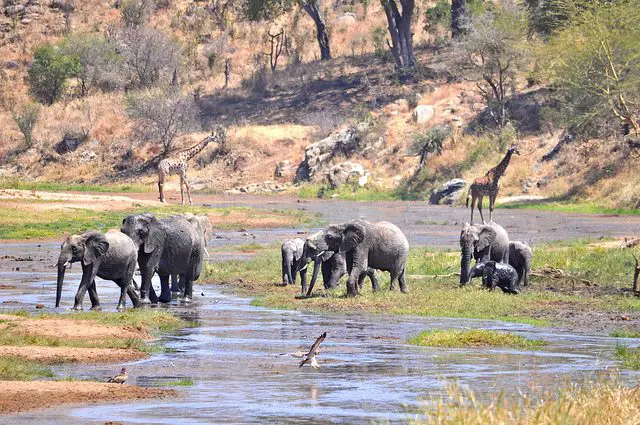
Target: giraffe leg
(182,179)
(186,183)
(161,186)
(492,202)
(473,205)
(480,208)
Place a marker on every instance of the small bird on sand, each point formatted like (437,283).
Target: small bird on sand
(120,378)
(310,357)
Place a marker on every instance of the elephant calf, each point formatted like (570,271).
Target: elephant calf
(520,256)
(292,262)
(111,256)
(501,275)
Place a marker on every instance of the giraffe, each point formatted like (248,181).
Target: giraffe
(488,185)
(178,163)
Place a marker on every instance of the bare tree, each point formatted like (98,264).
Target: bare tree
(163,115)
(399,15)
(276,41)
(26,117)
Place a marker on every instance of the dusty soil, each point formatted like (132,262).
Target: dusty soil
(74,355)
(22,396)
(71,329)
(57,200)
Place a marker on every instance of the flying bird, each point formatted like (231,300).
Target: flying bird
(120,378)
(310,357)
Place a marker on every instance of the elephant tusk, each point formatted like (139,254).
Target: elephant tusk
(321,253)
(304,268)
(67,264)
(206,252)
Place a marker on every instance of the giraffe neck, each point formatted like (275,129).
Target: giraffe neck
(194,150)
(501,168)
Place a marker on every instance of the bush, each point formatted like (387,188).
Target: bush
(163,115)
(136,13)
(428,143)
(438,16)
(379,41)
(26,118)
(49,72)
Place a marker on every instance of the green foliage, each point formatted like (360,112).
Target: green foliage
(135,13)
(258,10)
(630,356)
(18,369)
(49,72)
(595,65)
(26,118)
(438,16)
(430,142)
(379,42)
(549,16)
(625,333)
(473,338)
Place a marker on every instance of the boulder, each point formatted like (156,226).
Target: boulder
(319,155)
(11,65)
(18,9)
(346,20)
(341,173)
(69,143)
(447,194)
(423,113)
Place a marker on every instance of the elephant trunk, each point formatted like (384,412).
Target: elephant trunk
(289,261)
(316,268)
(465,268)
(62,266)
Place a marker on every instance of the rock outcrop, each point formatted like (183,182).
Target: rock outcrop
(448,193)
(344,172)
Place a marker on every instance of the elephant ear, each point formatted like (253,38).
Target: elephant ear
(485,238)
(353,235)
(95,246)
(151,240)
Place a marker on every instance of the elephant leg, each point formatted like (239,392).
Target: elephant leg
(285,279)
(188,288)
(393,284)
(361,281)
(88,276)
(122,283)
(165,293)
(375,286)
(174,282)
(403,284)
(328,275)
(93,296)
(147,293)
(303,281)
(356,264)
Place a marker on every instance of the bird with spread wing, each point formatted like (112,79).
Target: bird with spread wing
(120,378)
(310,357)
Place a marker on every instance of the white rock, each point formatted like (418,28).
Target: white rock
(423,113)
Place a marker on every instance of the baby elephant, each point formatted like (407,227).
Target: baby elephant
(520,256)
(502,275)
(292,262)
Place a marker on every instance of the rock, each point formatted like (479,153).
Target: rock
(40,306)
(319,155)
(69,143)
(423,113)
(542,182)
(346,20)
(25,21)
(17,9)
(447,194)
(340,174)
(11,65)
(87,156)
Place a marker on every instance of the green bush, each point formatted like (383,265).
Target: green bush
(49,72)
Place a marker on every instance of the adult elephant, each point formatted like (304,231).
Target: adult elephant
(332,264)
(203,226)
(168,246)
(483,242)
(378,245)
(111,257)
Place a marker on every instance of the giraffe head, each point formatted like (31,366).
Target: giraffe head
(218,134)
(514,149)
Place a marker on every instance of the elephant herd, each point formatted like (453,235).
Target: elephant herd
(173,247)
(358,247)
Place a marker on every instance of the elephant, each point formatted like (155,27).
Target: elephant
(332,264)
(378,245)
(111,256)
(520,256)
(203,226)
(291,251)
(502,275)
(483,242)
(167,246)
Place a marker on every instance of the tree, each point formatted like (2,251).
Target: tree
(458,14)
(101,65)
(256,10)
(163,114)
(136,13)
(26,118)
(399,24)
(595,64)
(492,51)
(428,143)
(49,72)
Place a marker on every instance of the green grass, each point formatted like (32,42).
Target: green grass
(625,333)
(14,183)
(573,206)
(17,224)
(348,192)
(610,269)
(150,319)
(473,338)
(185,382)
(18,369)
(630,357)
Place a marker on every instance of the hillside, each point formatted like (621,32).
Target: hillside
(272,120)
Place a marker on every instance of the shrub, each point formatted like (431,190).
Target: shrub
(136,13)
(438,16)
(49,72)
(163,114)
(26,118)
(379,41)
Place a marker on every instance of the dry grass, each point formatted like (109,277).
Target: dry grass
(600,403)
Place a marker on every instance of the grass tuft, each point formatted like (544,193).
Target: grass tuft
(185,382)
(18,369)
(630,357)
(625,333)
(473,338)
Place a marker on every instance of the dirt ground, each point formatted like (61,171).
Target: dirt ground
(22,396)
(72,354)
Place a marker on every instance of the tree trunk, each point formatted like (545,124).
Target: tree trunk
(458,12)
(313,9)
(399,24)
